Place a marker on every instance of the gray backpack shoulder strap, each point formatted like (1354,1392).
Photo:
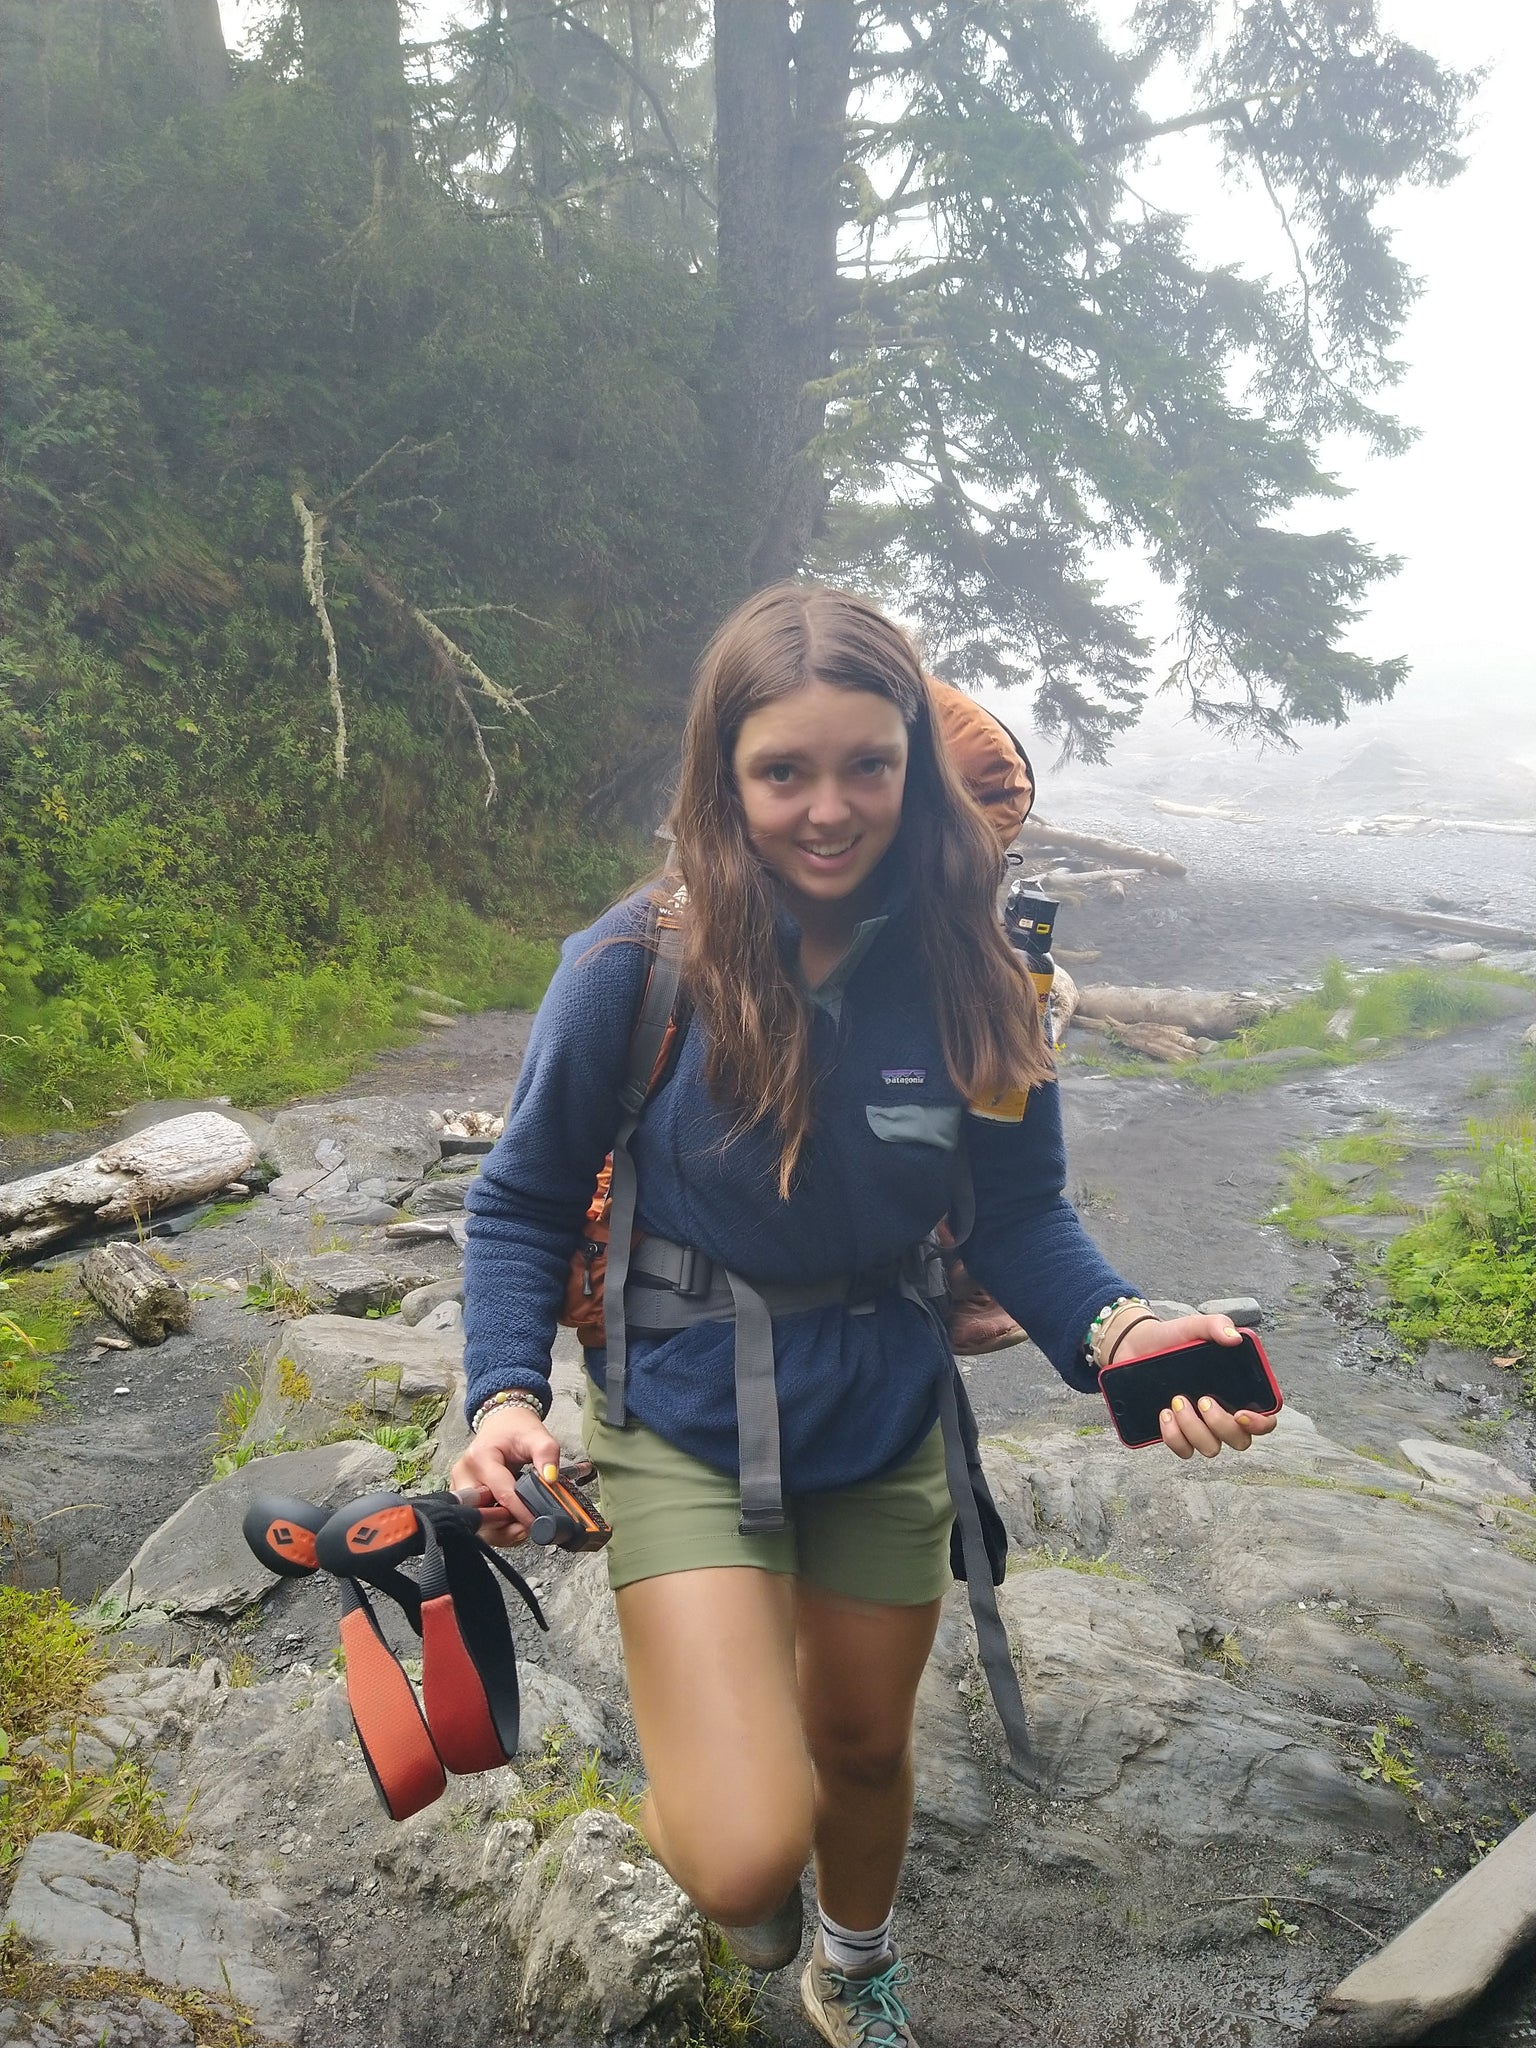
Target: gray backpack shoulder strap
(658,1011)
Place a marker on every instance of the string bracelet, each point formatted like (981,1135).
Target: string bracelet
(1099,1327)
(509,1397)
(1121,1334)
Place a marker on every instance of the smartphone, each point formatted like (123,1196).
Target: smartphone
(1237,1375)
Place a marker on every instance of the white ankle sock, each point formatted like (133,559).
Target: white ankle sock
(853,1948)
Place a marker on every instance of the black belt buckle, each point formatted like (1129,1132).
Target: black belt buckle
(761,1522)
(696,1274)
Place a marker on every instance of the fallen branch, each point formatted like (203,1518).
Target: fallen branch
(314,584)
(1435,921)
(479,739)
(450,650)
(1163,1042)
(475,611)
(1087,878)
(357,483)
(1036,832)
(1289,1899)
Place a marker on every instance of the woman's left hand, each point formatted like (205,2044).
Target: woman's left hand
(1188,1428)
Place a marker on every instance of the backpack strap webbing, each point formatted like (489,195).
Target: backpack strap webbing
(969,1493)
(649,1051)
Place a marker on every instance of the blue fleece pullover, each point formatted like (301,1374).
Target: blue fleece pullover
(857,1391)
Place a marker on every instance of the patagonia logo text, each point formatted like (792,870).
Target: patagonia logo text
(903,1077)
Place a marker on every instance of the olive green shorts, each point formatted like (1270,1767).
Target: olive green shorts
(886,1540)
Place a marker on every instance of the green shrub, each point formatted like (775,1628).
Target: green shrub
(1468,1272)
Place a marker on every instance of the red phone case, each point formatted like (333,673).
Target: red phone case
(1161,1383)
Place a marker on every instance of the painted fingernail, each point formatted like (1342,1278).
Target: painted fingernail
(1167,1415)
(1207,1405)
(551,1472)
(1179,1403)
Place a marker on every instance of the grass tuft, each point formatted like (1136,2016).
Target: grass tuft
(555,1786)
(49,1662)
(38,1312)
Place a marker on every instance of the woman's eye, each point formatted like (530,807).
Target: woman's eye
(875,765)
(780,772)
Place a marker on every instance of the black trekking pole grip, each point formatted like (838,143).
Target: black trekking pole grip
(281,1529)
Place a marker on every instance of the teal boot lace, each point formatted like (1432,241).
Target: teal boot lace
(875,2006)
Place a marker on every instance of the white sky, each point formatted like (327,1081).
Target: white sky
(1456,507)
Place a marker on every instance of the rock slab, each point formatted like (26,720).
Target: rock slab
(610,1947)
(347,1284)
(197,1562)
(1437,1966)
(376,1138)
(323,1371)
(84,1906)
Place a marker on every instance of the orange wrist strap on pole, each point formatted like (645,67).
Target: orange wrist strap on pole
(469,1688)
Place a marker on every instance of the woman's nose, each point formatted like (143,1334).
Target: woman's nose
(829,804)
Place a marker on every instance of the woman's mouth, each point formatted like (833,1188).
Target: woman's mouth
(828,854)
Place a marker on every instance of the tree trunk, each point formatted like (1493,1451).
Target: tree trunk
(195,44)
(352,48)
(781,97)
(135,1292)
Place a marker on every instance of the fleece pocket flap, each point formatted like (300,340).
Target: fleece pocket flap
(916,1123)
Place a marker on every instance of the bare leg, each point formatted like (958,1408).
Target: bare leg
(859,1666)
(710,1657)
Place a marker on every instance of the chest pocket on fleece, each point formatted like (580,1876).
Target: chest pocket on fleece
(916,1123)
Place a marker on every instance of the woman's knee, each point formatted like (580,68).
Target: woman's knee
(873,1758)
(736,1883)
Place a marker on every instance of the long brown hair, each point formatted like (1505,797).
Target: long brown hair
(754,1010)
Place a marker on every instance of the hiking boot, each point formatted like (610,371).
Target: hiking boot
(857,2009)
(770,1944)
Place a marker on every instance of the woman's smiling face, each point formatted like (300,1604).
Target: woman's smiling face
(821,773)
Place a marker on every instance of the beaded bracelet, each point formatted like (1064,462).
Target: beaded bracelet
(1104,1318)
(508,1397)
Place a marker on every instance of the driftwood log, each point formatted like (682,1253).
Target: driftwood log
(1204,1013)
(135,1292)
(1063,1003)
(162,1167)
(1062,881)
(1164,1042)
(1435,921)
(1036,832)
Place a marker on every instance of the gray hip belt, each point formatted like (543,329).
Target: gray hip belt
(673,1287)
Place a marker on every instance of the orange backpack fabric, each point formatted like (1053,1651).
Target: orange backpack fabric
(993,766)
(583,1309)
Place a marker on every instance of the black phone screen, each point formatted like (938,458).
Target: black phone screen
(1236,1375)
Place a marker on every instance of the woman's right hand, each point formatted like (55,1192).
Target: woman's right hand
(510,1438)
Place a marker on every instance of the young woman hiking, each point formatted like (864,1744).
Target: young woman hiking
(858,1024)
